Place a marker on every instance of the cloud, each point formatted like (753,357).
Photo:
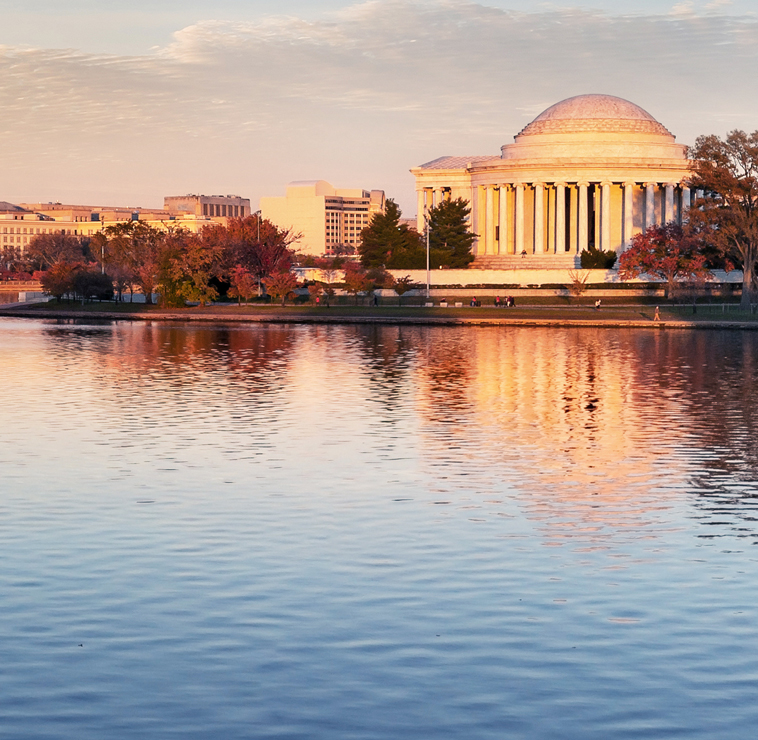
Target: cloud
(358,97)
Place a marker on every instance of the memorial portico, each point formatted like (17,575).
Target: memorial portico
(591,171)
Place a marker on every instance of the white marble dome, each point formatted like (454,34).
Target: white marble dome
(594,113)
(593,127)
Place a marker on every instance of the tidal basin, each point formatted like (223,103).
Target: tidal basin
(377,532)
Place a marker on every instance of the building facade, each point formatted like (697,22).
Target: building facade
(328,220)
(211,206)
(20,223)
(590,171)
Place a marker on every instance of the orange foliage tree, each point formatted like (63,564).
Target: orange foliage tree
(280,285)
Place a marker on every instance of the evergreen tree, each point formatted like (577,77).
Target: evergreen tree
(450,240)
(385,242)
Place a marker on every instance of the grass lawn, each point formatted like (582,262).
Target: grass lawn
(528,308)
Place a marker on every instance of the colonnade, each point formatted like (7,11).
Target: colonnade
(560,217)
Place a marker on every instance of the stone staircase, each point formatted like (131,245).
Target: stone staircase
(567,261)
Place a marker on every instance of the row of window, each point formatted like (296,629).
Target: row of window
(220,210)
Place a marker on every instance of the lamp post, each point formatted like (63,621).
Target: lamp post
(428,274)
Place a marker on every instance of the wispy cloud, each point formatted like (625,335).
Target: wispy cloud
(358,97)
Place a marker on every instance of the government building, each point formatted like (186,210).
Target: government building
(590,171)
(328,220)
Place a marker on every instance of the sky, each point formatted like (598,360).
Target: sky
(125,103)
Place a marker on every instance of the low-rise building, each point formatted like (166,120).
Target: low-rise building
(20,223)
(212,206)
(328,220)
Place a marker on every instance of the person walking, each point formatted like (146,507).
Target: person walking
(597,304)
(657,316)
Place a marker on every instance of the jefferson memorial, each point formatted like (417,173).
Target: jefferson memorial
(590,171)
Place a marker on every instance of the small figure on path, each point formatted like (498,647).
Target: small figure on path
(657,316)
(497,301)
(376,299)
(473,302)
(523,252)
(597,304)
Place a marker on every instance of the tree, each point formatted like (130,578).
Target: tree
(450,240)
(189,264)
(90,282)
(46,250)
(329,269)
(726,218)
(385,242)
(578,282)
(243,284)
(280,285)
(315,291)
(137,249)
(665,252)
(357,280)
(402,285)
(254,243)
(59,279)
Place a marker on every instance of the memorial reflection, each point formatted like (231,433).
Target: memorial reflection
(594,430)
(709,378)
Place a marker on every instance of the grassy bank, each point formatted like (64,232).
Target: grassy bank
(537,313)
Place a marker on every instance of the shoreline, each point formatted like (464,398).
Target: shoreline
(272,316)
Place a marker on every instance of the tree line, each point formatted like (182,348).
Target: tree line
(243,257)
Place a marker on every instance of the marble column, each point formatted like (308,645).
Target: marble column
(605,226)
(669,202)
(502,244)
(420,211)
(519,217)
(650,203)
(560,218)
(583,216)
(686,202)
(489,216)
(539,218)
(628,215)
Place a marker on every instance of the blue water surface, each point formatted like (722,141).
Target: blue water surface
(377,532)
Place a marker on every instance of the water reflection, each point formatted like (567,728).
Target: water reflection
(591,434)
(376,532)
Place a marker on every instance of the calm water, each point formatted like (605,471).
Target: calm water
(377,532)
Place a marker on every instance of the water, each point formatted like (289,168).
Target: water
(377,532)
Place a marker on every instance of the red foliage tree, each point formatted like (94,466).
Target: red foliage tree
(243,284)
(664,252)
(357,279)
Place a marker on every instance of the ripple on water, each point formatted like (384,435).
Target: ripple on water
(376,532)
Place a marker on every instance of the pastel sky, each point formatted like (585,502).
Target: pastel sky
(127,103)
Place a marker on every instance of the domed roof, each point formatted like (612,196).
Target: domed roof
(594,113)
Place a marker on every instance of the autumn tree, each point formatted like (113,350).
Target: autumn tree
(243,284)
(315,291)
(665,252)
(137,249)
(357,280)
(58,280)
(450,240)
(385,242)
(188,266)
(254,243)
(402,285)
(46,250)
(726,217)
(280,284)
